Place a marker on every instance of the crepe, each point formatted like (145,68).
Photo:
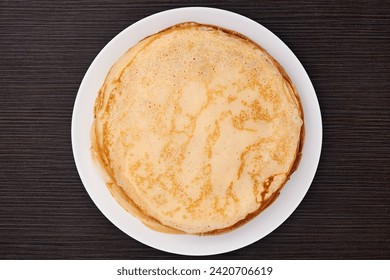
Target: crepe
(197,129)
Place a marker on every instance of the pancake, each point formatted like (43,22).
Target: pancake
(197,129)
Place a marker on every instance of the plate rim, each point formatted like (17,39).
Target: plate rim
(170,15)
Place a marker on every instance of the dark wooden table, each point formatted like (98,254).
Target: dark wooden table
(45,50)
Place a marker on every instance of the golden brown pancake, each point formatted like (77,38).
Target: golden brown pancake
(197,128)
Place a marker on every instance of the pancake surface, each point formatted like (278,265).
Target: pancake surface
(197,129)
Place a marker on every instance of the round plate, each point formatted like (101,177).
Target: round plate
(292,193)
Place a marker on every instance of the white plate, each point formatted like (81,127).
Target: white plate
(292,193)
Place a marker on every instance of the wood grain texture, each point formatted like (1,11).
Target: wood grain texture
(45,50)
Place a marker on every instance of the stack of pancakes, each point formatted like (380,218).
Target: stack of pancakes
(197,129)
